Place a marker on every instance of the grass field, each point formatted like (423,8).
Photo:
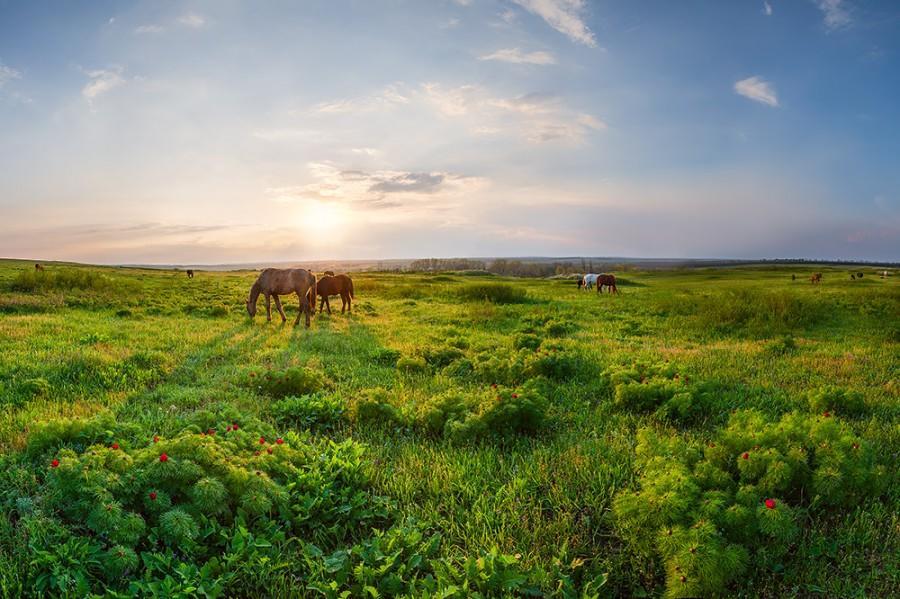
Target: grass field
(455,435)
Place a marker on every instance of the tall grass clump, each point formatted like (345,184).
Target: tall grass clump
(497,293)
(60,280)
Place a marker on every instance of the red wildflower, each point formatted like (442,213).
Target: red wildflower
(115,445)
(234,427)
(746,456)
(228,428)
(152,495)
(255,453)
(262,440)
(163,458)
(211,431)
(493,385)
(826,414)
(515,396)
(155,438)
(54,463)
(279,440)
(269,450)
(770,503)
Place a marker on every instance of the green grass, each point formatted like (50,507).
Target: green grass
(446,471)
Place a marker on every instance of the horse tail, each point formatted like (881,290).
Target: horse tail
(351,287)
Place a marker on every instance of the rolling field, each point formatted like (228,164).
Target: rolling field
(706,432)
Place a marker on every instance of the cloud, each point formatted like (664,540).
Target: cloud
(516,56)
(757,89)
(836,13)
(142,29)
(192,20)
(564,16)
(7,74)
(767,9)
(100,82)
(450,23)
(388,97)
(380,189)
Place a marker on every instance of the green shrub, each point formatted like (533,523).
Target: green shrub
(783,346)
(185,498)
(412,365)
(437,412)
(559,328)
(60,280)
(527,341)
(439,357)
(705,511)
(374,407)
(386,357)
(295,381)
(498,293)
(314,412)
(36,387)
(835,400)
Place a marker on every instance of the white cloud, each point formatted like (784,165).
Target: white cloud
(364,151)
(7,74)
(836,13)
(388,97)
(148,29)
(100,82)
(192,20)
(757,89)
(563,15)
(516,56)
(450,23)
(767,9)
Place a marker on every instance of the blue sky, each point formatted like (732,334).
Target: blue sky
(186,132)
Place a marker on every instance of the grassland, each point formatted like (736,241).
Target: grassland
(518,501)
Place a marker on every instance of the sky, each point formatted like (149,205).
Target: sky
(224,131)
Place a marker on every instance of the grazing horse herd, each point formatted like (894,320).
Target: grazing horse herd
(273,282)
(588,281)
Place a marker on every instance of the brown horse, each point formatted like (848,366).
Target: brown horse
(190,274)
(609,281)
(38,266)
(335,285)
(816,278)
(284,281)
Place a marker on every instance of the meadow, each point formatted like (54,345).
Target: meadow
(706,432)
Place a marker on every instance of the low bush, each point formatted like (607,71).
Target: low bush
(295,381)
(439,357)
(373,407)
(36,387)
(386,357)
(161,514)
(412,365)
(704,511)
(314,412)
(526,341)
(782,346)
(497,293)
(60,280)
(643,387)
(835,400)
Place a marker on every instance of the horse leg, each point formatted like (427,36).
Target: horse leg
(344,299)
(328,305)
(306,309)
(349,303)
(268,308)
(303,307)
(280,309)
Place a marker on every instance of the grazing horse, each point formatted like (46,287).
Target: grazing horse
(588,281)
(284,281)
(329,273)
(190,274)
(39,267)
(609,281)
(816,278)
(335,285)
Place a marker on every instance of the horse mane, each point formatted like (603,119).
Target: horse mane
(255,291)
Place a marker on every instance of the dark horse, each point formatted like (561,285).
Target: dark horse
(335,285)
(39,266)
(609,281)
(284,281)
(816,278)
(190,274)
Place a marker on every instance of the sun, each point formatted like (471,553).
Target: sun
(323,218)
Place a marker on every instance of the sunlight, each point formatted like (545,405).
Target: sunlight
(324,218)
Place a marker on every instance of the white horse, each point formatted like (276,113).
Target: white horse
(588,281)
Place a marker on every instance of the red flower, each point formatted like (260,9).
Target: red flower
(269,450)
(54,463)
(228,428)
(234,427)
(515,396)
(163,457)
(826,414)
(770,503)
(494,386)
(279,440)
(115,445)
(152,495)
(155,438)
(255,453)
(262,440)
(211,431)
(746,456)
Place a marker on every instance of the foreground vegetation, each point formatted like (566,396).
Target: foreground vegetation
(706,432)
